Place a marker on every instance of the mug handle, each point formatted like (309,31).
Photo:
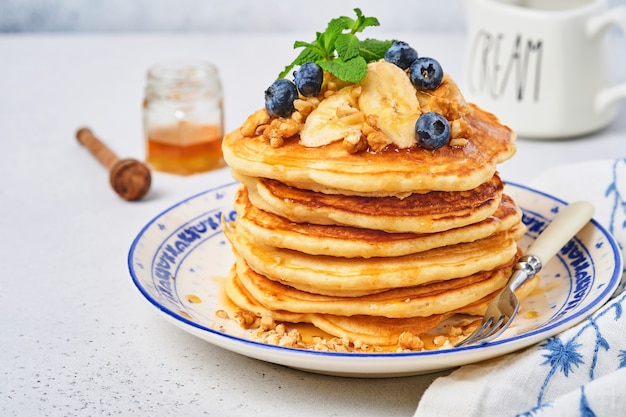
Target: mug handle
(613,17)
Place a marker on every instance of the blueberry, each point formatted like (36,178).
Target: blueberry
(401,54)
(309,79)
(432,131)
(426,73)
(279,98)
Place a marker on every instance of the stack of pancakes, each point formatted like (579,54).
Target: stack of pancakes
(368,246)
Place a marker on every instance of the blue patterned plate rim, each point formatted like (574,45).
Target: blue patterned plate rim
(578,304)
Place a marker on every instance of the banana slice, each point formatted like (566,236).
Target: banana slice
(387,92)
(336,118)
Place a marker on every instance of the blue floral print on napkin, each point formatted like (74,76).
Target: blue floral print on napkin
(582,370)
(616,195)
(563,355)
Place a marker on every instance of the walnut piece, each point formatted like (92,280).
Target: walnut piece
(280,129)
(354,143)
(461,129)
(408,340)
(253,122)
(377,140)
(246,319)
(306,105)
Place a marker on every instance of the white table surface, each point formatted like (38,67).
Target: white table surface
(76,337)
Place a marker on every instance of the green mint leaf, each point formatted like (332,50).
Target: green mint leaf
(302,44)
(356,24)
(345,22)
(347,46)
(352,70)
(362,22)
(307,55)
(338,50)
(326,40)
(311,51)
(373,49)
(367,22)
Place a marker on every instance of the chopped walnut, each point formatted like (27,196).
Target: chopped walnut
(245,319)
(459,142)
(408,340)
(445,99)
(341,347)
(372,122)
(281,329)
(354,143)
(266,329)
(374,137)
(377,140)
(254,121)
(333,84)
(267,323)
(274,333)
(445,107)
(440,340)
(306,106)
(272,339)
(274,138)
(259,130)
(455,331)
(297,117)
(461,129)
(280,129)
(289,127)
(287,341)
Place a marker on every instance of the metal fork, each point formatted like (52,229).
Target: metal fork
(503,308)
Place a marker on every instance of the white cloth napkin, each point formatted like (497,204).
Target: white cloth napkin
(579,372)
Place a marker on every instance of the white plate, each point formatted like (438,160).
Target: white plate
(180,258)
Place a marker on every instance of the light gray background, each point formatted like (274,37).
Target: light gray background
(224,15)
(220,15)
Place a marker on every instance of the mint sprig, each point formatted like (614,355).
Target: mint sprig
(339,51)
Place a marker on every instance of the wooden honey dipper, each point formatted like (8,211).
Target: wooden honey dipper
(129,178)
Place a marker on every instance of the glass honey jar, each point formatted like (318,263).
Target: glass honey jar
(183,118)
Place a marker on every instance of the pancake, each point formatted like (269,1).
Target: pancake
(390,172)
(272,230)
(373,330)
(431,212)
(353,277)
(439,297)
(377,331)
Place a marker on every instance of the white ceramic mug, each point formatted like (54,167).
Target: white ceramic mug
(542,66)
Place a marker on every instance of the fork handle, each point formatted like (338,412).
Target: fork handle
(565,225)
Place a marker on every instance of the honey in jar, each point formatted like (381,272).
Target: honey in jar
(183,118)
